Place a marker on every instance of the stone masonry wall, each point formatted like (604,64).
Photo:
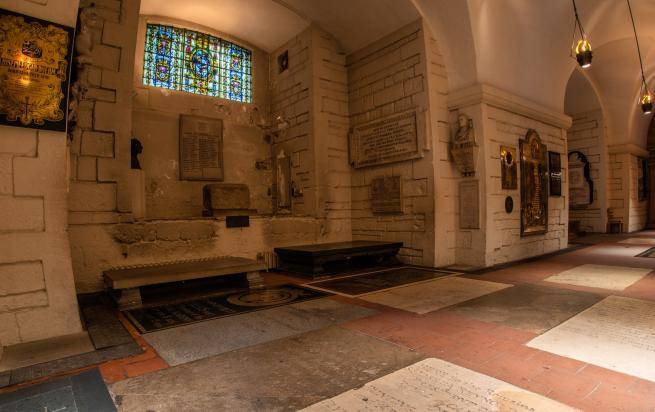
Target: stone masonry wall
(637,209)
(155,122)
(386,78)
(618,187)
(331,123)
(504,241)
(586,136)
(37,294)
(291,99)
(446,176)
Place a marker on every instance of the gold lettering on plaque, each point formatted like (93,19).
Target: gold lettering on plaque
(34,68)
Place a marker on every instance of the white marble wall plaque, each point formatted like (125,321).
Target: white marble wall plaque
(201,148)
(436,385)
(617,333)
(388,140)
(469,205)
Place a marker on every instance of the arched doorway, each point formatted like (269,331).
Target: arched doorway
(587,175)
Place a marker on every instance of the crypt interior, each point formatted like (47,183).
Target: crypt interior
(340,205)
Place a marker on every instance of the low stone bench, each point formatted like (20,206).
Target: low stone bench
(317,259)
(124,282)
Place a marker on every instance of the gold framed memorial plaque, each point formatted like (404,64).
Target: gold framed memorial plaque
(508,175)
(534,185)
(389,140)
(201,148)
(35,58)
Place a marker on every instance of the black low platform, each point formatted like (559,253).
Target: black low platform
(327,258)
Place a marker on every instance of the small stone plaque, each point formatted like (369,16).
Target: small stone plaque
(386,195)
(469,205)
(201,148)
(389,140)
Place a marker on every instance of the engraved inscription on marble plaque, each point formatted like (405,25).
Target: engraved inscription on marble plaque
(469,205)
(617,333)
(437,385)
(201,148)
(389,140)
(386,195)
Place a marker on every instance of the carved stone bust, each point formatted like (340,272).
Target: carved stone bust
(465,132)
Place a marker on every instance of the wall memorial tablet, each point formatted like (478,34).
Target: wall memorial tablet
(469,205)
(534,185)
(386,195)
(508,175)
(389,140)
(201,148)
(35,58)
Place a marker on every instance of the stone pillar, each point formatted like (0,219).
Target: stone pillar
(37,293)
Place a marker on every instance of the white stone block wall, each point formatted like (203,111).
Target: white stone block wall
(586,135)
(330,128)
(37,294)
(618,187)
(291,98)
(504,242)
(385,78)
(637,209)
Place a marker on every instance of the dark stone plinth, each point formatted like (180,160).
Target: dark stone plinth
(326,258)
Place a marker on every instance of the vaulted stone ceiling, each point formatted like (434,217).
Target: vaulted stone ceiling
(516,45)
(269,23)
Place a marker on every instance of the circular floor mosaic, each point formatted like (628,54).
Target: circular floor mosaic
(264,297)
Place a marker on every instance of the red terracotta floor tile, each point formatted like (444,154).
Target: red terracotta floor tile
(143,367)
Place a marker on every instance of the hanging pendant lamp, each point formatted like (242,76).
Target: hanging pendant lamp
(581,48)
(646,100)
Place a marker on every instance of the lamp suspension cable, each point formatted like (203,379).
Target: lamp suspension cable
(646,100)
(582,48)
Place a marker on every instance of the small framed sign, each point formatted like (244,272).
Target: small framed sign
(35,66)
(555,173)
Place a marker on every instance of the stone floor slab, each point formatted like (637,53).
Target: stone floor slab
(430,296)
(85,392)
(286,374)
(33,353)
(528,307)
(617,333)
(434,384)
(600,276)
(638,241)
(200,340)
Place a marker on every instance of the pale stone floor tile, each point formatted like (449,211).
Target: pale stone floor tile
(430,296)
(617,333)
(282,375)
(200,340)
(434,384)
(638,241)
(600,276)
(533,308)
(33,353)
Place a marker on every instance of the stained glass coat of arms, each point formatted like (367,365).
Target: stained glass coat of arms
(194,62)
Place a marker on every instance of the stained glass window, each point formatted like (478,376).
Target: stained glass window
(194,62)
